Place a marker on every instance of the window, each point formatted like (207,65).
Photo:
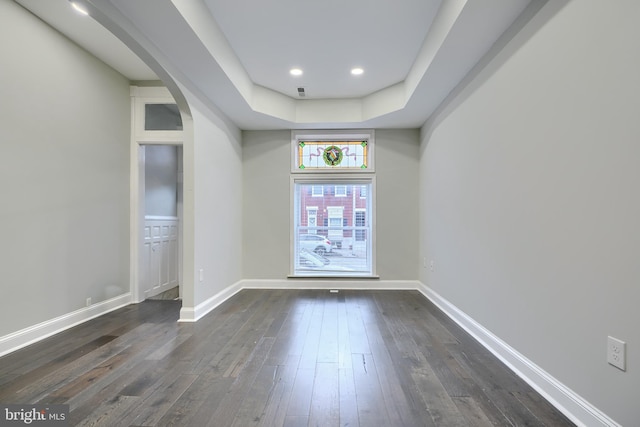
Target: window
(312,219)
(335,221)
(363,191)
(360,221)
(333,199)
(332,151)
(162,117)
(332,233)
(333,154)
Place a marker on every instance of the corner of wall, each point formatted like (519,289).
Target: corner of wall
(572,405)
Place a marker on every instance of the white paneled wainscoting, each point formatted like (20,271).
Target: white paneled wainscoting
(159,269)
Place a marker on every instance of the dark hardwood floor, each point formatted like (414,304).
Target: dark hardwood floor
(275,358)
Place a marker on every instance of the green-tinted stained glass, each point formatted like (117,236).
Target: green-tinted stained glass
(332,155)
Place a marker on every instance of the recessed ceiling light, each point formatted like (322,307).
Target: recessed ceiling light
(357,71)
(79,8)
(295,72)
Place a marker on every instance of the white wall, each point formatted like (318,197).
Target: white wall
(266,203)
(64,168)
(530,203)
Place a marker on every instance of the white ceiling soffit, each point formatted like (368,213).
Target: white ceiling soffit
(235,55)
(326,39)
(91,36)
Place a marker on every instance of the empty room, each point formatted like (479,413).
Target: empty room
(341,213)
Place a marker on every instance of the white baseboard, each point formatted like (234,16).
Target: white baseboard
(32,334)
(193,314)
(577,409)
(310,283)
(568,402)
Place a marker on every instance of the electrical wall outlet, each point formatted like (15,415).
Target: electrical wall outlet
(616,353)
(432,266)
(88,301)
(202,275)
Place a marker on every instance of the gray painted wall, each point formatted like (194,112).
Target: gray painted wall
(64,169)
(397,163)
(217,195)
(266,157)
(530,202)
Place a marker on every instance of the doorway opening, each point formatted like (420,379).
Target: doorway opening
(157,217)
(161,243)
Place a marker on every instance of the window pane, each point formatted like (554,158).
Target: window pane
(332,231)
(332,155)
(361,234)
(162,117)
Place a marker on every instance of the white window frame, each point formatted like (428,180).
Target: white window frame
(334,179)
(337,176)
(151,95)
(341,194)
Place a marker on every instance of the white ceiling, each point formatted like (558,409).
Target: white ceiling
(235,55)
(326,39)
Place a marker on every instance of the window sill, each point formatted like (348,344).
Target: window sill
(337,277)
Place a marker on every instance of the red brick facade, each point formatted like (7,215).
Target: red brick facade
(333,206)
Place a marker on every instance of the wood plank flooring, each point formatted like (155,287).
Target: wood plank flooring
(275,358)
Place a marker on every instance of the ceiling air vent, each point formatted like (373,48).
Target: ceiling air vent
(301,91)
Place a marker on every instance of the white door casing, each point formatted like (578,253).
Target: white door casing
(140,258)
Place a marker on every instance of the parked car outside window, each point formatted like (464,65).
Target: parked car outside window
(314,243)
(311,261)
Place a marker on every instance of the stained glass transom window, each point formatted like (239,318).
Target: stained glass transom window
(317,155)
